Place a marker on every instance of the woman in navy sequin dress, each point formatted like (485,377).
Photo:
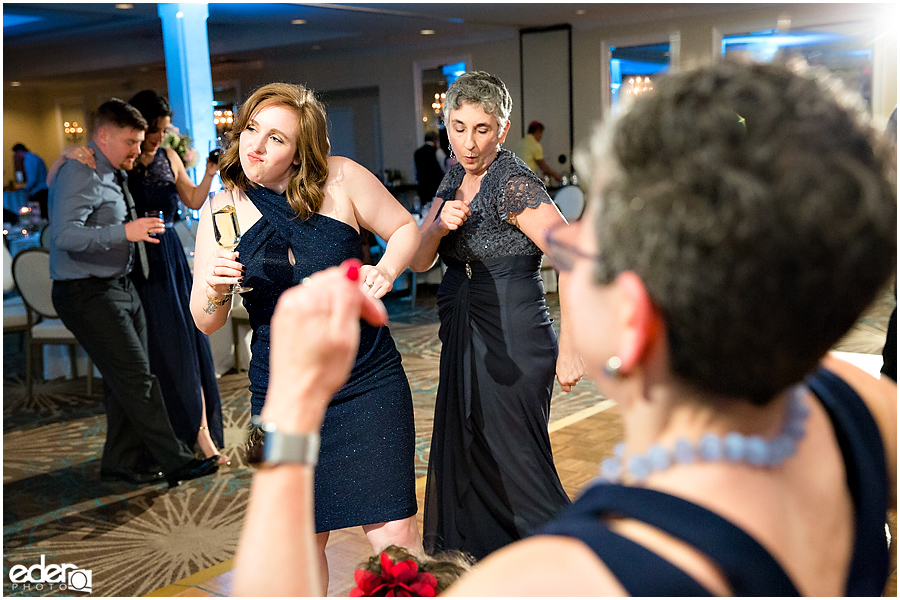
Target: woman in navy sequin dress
(491,477)
(300,211)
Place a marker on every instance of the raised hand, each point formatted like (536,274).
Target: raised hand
(453,214)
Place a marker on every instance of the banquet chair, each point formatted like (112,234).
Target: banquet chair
(45,236)
(9,284)
(31,271)
(14,318)
(570,200)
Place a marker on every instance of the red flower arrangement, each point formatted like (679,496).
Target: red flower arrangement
(396,580)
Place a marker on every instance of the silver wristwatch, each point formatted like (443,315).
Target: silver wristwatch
(281,448)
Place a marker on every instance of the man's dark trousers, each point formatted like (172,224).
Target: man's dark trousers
(107,318)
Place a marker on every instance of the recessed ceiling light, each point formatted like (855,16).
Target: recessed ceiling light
(15,83)
(427,32)
(125,6)
(298,22)
(581,12)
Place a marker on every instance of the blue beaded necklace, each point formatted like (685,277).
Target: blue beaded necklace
(732,447)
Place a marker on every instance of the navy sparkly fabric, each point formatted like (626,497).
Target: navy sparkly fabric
(180,355)
(365,473)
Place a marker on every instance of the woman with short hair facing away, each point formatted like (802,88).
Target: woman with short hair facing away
(300,211)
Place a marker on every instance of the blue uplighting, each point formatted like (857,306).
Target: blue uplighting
(452,72)
(11,20)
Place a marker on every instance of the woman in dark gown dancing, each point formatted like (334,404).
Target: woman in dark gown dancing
(491,477)
(300,211)
(180,355)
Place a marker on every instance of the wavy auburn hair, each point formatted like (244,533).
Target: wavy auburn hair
(307,180)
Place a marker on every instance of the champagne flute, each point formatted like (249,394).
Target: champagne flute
(227,232)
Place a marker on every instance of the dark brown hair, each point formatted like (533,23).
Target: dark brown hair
(119,113)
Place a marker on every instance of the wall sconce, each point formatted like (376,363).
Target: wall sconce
(438,104)
(637,86)
(73,131)
(224,119)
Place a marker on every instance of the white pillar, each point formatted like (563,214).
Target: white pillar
(189,75)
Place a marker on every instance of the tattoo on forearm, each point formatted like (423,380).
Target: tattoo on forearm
(210,308)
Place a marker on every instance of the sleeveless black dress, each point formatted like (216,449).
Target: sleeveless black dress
(749,568)
(180,354)
(491,477)
(366,472)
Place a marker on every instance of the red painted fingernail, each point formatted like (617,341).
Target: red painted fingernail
(353,271)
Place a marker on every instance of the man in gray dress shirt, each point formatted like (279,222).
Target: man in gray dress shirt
(93,231)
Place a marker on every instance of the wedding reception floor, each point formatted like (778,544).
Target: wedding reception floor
(151,540)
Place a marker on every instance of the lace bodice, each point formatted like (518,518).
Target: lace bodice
(153,186)
(507,189)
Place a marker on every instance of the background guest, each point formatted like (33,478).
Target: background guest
(491,476)
(428,168)
(751,465)
(35,177)
(532,153)
(301,211)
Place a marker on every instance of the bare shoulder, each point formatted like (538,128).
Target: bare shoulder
(340,167)
(880,396)
(351,180)
(174,159)
(344,176)
(540,566)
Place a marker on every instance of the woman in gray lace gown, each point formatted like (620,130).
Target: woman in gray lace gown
(491,476)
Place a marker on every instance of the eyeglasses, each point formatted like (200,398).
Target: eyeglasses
(564,254)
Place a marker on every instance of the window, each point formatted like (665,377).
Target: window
(632,69)
(850,56)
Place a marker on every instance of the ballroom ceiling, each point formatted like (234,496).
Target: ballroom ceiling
(46,43)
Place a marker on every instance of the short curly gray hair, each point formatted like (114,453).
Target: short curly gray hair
(755,204)
(482,89)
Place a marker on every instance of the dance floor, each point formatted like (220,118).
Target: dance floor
(153,541)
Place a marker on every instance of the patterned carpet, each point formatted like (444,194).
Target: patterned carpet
(138,539)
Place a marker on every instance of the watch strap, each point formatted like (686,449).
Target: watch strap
(280,448)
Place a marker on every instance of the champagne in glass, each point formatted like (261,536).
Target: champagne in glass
(227,232)
(226,228)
